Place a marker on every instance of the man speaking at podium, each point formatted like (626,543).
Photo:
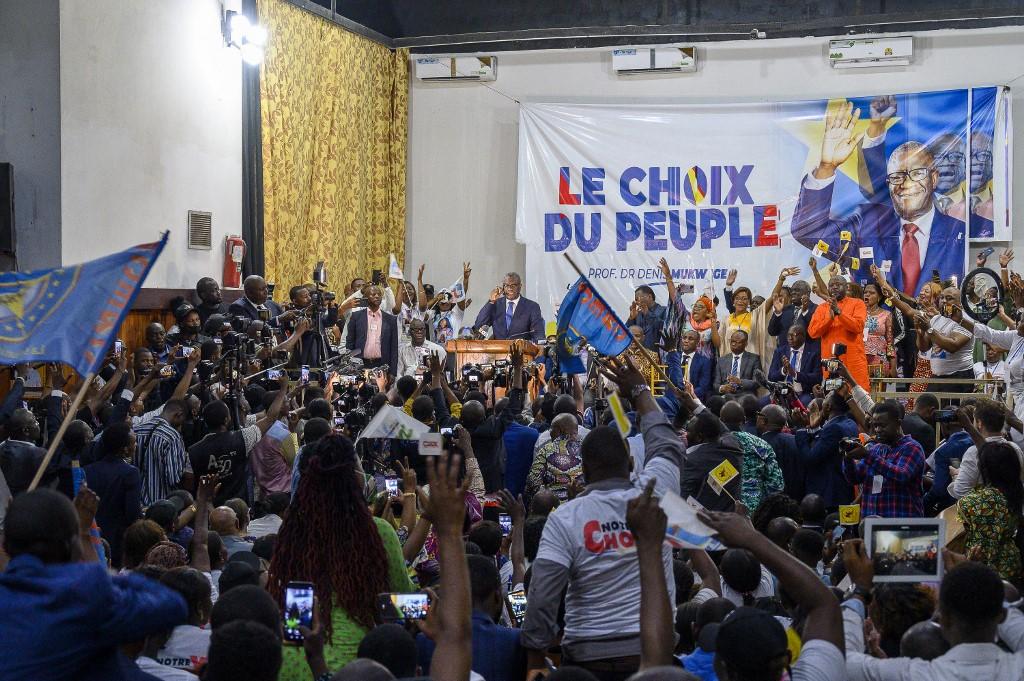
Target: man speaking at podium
(511,316)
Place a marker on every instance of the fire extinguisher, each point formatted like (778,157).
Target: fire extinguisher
(234,252)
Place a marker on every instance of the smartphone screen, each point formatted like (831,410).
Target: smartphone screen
(298,609)
(274,374)
(118,348)
(339,421)
(304,374)
(167,371)
(517,603)
(403,607)
(186,350)
(505,520)
(391,485)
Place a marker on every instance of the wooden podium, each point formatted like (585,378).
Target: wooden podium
(484,351)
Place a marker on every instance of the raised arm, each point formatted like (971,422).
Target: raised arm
(186,378)
(824,620)
(200,549)
(451,628)
(466,271)
(274,412)
(666,272)
(647,521)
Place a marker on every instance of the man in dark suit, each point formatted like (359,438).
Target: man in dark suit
(734,374)
(118,484)
(901,226)
(511,316)
(770,422)
(256,303)
(822,455)
(373,333)
(799,311)
(710,442)
(797,363)
(688,365)
(20,457)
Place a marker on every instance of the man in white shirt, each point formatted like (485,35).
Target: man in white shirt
(413,353)
(971,613)
(989,420)
(587,547)
(994,366)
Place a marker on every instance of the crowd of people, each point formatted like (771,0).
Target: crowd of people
(218,469)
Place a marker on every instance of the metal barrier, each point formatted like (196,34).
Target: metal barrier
(994,388)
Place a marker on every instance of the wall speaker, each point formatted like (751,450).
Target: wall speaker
(7,242)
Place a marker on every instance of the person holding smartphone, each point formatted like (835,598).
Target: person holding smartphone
(330,540)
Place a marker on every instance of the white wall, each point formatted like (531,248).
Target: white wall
(151,127)
(463,137)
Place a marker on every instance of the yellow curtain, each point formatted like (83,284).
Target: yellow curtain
(334,112)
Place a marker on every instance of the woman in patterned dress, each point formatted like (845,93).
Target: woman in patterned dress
(558,463)
(878,332)
(991,512)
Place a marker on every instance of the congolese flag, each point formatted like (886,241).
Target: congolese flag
(70,314)
(584,318)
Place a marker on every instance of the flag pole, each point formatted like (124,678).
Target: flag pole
(651,357)
(82,390)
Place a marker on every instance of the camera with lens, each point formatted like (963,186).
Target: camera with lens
(848,444)
(239,323)
(206,369)
(501,372)
(945,415)
(473,375)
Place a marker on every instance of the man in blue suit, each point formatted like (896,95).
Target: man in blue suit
(823,457)
(688,365)
(511,316)
(902,226)
(798,363)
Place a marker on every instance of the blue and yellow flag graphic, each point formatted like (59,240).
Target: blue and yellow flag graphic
(70,314)
(585,318)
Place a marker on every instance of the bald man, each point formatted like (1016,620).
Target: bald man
(224,522)
(900,224)
(840,321)
(256,303)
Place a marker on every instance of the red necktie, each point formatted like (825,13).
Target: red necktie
(910,254)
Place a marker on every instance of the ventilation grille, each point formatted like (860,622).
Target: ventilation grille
(200,230)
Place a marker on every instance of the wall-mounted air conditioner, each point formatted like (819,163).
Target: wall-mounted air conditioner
(867,52)
(632,61)
(455,68)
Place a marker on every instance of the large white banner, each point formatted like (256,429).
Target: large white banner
(757,187)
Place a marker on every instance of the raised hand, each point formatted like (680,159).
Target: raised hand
(1005,257)
(730,278)
(645,518)
(495,294)
(813,264)
(408,474)
(778,304)
(419,275)
(882,109)
(446,505)
(733,529)
(466,270)
(623,374)
(788,272)
(86,503)
(839,141)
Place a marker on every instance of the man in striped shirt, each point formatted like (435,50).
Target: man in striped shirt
(160,452)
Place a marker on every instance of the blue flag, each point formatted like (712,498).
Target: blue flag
(70,314)
(584,318)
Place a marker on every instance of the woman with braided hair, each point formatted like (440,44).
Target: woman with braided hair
(330,538)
